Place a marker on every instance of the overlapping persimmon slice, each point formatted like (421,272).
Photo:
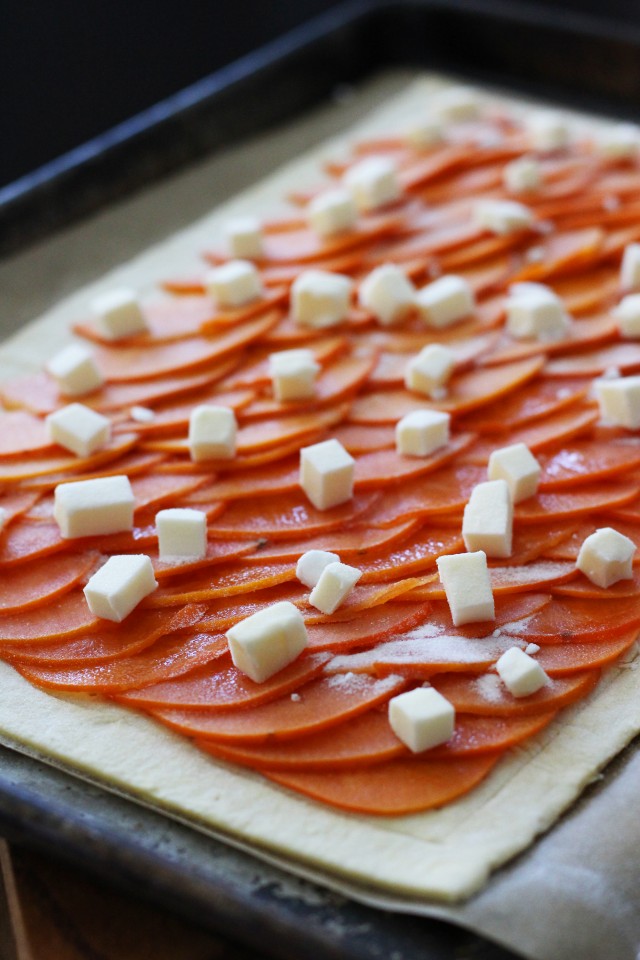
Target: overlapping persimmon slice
(320,726)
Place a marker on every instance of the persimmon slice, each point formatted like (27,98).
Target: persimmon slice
(144,627)
(168,657)
(289,515)
(573,619)
(322,704)
(369,739)
(223,687)
(123,364)
(393,788)
(466,392)
(382,620)
(43,580)
(65,617)
(487,695)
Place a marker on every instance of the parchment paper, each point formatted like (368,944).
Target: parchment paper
(575,892)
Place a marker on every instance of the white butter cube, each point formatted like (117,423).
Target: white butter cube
(267,641)
(311,564)
(445,301)
(502,216)
(534,311)
(245,238)
(119,586)
(619,401)
(182,532)
(430,370)
(332,212)
(335,583)
(618,142)
(118,314)
(421,718)
(456,104)
(320,299)
(518,467)
(630,268)
(141,414)
(373,183)
(522,175)
(520,674)
(422,432)
(387,294)
(88,508)
(75,370)
(293,374)
(79,429)
(627,313)
(487,522)
(327,474)
(426,133)
(606,557)
(234,283)
(547,131)
(467,585)
(212,433)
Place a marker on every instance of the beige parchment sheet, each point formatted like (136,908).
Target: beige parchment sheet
(575,892)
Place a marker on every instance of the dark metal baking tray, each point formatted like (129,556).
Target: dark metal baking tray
(570,58)
(577,58)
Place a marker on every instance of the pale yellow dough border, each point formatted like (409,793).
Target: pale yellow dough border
(443,855)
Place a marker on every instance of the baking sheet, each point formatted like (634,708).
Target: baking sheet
(534,911)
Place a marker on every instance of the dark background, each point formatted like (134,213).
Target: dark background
(70,70)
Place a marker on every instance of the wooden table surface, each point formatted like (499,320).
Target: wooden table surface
(50,911)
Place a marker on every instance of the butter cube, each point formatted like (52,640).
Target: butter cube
(118,314)
(523,175)
(445,301)
(119,586)
(88,508)
(467,585)
(606,556)
(75,370)
(421,718)
(373,183)
(630,268)
(520,673)
(502,216)
(430,370)
(311,564)
(619,401)
(245,239)
(182,532)
(212,433)
(293,374)
(332,212)
(267,641)
(518,467)
(627,313)
(547,131)
(487,523)
(618,142)
(456,104)
(79,429)
(387,294)
(234,283)
(535,311)
(327,474)
(320,299)
(422,432)
(425,133)
(335,583)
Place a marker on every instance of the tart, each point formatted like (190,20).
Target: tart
(305,762)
